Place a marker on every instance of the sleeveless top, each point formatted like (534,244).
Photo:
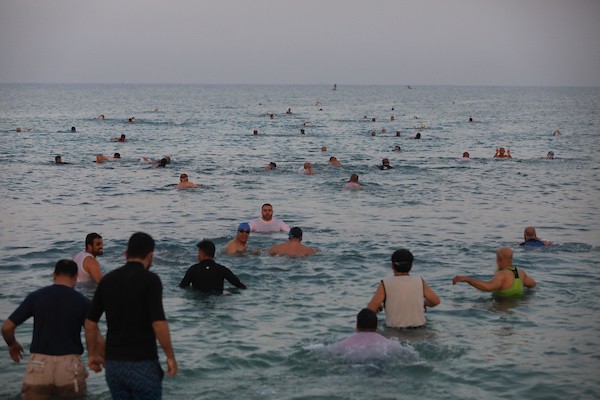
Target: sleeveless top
(404,301)
(82,275)
(515,290)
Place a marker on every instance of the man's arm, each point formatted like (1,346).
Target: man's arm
(376,303)
(234,280)
(92,267)
(185,282)
(431,298)
(95,345)
(14,348)
(161,330)
(527,281)
(486,286)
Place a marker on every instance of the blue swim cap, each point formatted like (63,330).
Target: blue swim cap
(244,226)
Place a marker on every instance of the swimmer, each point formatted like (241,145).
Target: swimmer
(466,156)
(306,169)
(100,158)
(266,222)
(240,243)
(397,133)
(318,103)
(292,247)
(333,162)
(271,115)
(556,133)
(501,153)
(373,119)
(156,163)
(383,130)
(289,111)
(418,135)
(119,139)
(255,132)
(373,133)
(323,148)
(101,116)
(531,239)
(271,166)
(18,129)
(302,131)
(353,184)
(392,118)
(184,183)
(471,119)
(385,164)
(58,160)
(397,148)
(365,117)
(550,155)
(131,120)
(73,129)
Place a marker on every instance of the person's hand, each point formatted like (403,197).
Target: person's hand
(172,367)
(458,278)
(16,351)
(95,363)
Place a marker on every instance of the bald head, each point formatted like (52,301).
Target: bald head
(504,257)
(530,233)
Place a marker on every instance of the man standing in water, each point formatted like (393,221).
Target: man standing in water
(292,247)
(87,265)
(240,243)
(131,296)
(403,296)
(508,281)
(531,239)
(54,367)
(267,223)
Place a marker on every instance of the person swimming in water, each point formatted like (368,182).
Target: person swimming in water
(353,184)
(58,160)
(501,153)
(271,166)
(119,139)
(184,183)
(385,164)
(333,162)
(550,155)
(100,158)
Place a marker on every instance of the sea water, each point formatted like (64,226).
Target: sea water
(270,341)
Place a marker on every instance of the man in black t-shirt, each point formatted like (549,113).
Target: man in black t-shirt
(54,367)
(131,296)
(207,275)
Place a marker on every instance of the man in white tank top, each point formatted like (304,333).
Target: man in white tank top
(87,265)
(403,296)
(267,223)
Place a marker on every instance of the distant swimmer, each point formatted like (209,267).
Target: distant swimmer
(397,133)
(100,158)
(255,132)
(266,222)
(418,135)
(422,126)
(501,153)
(101,116)
(318,103)
(18,129)
(184,183)
(383,130)
(306,169)
(292,247)
(556,132)
(373,133)
(373,119)
(240,243)
(119,139)
(333,162)
(466,156)
(158,163)
(392,118)
(397,148)
(58,160)
(471,119)
(271,115)
(368,345)
(302,132)
(509,281)
(404,297)
(550,155)
(73,129)
(207,276)
(385,164)
(353,184)
(323,148)
(531,239)
(131,120)
(334,87)
(87,265)
(289,111)
(271,166)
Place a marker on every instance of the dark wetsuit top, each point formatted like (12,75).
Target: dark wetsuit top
(208,276)
(533,243)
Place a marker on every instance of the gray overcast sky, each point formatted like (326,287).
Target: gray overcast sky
(417,42)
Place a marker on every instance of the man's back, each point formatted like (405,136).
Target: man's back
(208,276)
(291,249)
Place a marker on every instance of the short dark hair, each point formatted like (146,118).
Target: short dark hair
(140,245)
(266,204)
(89,239)
(402,260)
(207,247)
(66,267)
(366,320)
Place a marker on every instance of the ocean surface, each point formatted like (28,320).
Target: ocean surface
(270,341)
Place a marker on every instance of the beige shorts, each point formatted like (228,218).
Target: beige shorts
(47,376)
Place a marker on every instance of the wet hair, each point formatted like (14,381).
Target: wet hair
(140,245)
(266,204)
(273,165)
(366,320)
(73,129)
(117,155)
(66,267)
(207,247)
(89,239)
(57,158)
(402,260)
(418,135)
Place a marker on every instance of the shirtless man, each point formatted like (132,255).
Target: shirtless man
(292,247)
(501,153)
(353,184)
(240,243)
(101,158)
(88,268)
(333,162)
(509,281)
(266,223)
(184,183)
(306,169)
